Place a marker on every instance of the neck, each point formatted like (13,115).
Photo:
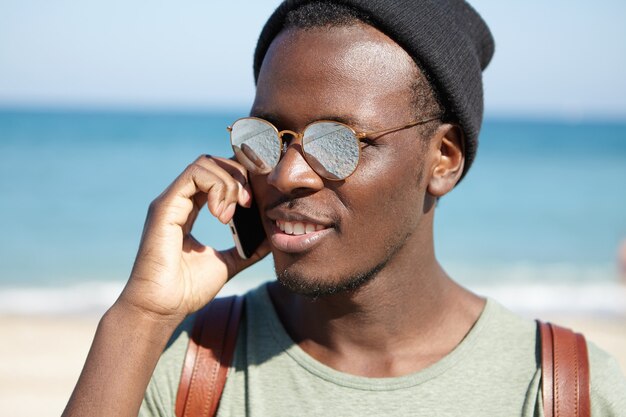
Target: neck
(406,318)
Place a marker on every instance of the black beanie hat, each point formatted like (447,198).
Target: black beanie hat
(447,38)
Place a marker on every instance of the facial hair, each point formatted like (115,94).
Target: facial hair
(316,287)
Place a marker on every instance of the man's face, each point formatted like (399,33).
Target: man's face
(358,76)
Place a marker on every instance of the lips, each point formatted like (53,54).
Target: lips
(295,232)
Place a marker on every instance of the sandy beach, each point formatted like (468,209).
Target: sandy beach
(43,356)
(41,360)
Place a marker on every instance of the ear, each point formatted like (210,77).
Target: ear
(449,160)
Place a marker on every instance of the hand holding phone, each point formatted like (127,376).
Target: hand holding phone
(169,277)
(173,275)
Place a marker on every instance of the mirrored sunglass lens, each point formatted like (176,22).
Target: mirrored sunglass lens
(256,145)
(331,149)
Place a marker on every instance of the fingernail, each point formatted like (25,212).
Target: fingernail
(244,195)
(228,212)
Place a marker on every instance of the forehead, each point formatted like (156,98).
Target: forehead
(355,71)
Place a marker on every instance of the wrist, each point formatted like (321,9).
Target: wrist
(157,328)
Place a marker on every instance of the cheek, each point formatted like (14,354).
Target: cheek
(390,194)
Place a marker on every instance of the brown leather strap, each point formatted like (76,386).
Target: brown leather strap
(565,368)
(546,369)
(584,381)
(209,354)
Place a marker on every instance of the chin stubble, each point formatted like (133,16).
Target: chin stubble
(315,287)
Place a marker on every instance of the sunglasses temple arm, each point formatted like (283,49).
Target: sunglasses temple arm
(395,129)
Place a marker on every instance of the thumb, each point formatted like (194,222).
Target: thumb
(235,263)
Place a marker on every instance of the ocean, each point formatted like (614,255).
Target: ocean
(536,223)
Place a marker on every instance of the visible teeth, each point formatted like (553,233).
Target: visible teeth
(298,228)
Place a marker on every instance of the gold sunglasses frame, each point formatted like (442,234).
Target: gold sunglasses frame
(359,136)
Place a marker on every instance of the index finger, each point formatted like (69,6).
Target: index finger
(233,169)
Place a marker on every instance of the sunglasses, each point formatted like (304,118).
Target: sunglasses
(332,149)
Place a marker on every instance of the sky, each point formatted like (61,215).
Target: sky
(554,58)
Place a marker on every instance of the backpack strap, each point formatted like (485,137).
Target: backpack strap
(209,354)
(565,368)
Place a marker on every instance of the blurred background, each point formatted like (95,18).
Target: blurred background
(103,104)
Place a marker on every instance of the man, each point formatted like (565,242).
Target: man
(362,320)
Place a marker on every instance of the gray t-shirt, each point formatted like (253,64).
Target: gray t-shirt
(493,372)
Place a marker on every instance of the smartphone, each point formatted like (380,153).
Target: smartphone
(247,229)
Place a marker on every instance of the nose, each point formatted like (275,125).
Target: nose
(292,174)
